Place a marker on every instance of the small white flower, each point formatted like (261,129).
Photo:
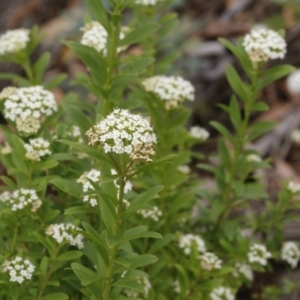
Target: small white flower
(294,187)
(173,89)
(210,261)
(37,148)
(66,232)
(14,41)
(295,136)
(122,132)
(184,169)
(177,287)
(263,44)
(258,253)
(147,2)
(293,83)
(290,253)
(253,158)
(95,36)
(199,133)
(155,213)
(186,241)
(19,269)
(244,270)
(6,92)
(75,133)
(221,293)
(21,199)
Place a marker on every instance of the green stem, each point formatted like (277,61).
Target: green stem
(14,239)
(47,277)
(114,250)
(239,146)
(29,72)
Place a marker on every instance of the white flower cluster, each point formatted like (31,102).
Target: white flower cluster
(258,253)
(21,199)
(37,148)
(155,213)
(147,2)
(147,287)
(293,187)
(293,83)
(184,169)
(95,36)
(186,241)
(173,89)
(94,176)
(253,158)
(19,269)
(199,133)
(244,270)
(263,44)
(66,232)
(221,293)
(123,132)
(28,107)
(14,41)
(290,253)
(295,136)
(210,261)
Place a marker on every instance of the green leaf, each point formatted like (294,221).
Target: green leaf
(87,150)
(98,12)
(16,79)
(8,182)
(224,154)
(234,113)
(159,244)
(139,34)
(41,65)
(96,64)
(56,296)
(142,260)
(223,130)
(260,106)
(260,128)
(69,255)
(130,284)
(139,232)
(85,275)
(236,83)
(240,53)
(55,82)
(139,65)
(78,210)
(274,74)
(68,186)
(144,198)
(45,165)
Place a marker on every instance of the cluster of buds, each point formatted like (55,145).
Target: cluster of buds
(37,148)
(155,213)
(242,269)
(199,133)
(209,261)
(221,293)
(290,253)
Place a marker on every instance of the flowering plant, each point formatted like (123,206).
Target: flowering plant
(101,200)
